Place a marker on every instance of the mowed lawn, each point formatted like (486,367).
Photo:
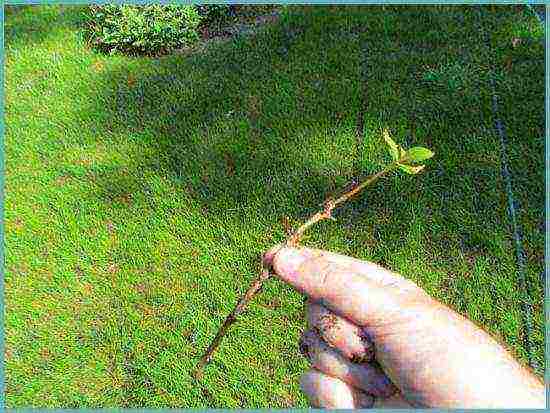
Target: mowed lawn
(140,192)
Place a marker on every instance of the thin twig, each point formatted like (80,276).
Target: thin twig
(253,289)
(292,240)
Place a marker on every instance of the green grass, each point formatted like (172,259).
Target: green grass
(140,192)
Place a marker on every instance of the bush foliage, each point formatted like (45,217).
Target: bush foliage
(145,30)
(215,12)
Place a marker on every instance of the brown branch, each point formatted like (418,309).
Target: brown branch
(362,185)
(253,289)
(292,240)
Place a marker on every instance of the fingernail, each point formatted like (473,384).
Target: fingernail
(269,255)
(288,262)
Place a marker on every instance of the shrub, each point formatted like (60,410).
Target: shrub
(215,12)
(142,30)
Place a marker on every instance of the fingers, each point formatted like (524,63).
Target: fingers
(360,291)
(328,392)
(367,377)
(339,333)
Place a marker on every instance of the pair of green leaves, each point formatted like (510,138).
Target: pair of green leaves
(407,160)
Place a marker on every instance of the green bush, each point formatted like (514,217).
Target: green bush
(214,12)
(142,30)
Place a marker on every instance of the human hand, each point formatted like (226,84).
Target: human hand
(376,338)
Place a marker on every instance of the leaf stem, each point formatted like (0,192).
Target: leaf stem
(294,239)
(362,185)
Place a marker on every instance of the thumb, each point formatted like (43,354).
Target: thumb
(361,291)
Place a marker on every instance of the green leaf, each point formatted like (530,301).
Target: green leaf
(393,147)
(412,170)
(419,154)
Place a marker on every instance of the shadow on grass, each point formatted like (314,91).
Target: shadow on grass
(231,123)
